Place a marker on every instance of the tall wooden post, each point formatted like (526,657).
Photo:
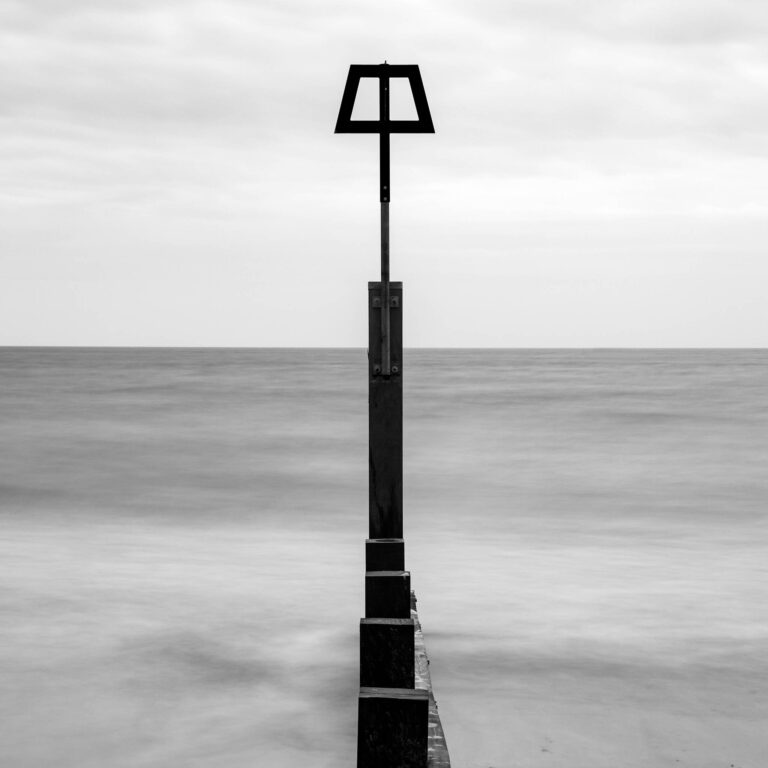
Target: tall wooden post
(392,714)
(385,414)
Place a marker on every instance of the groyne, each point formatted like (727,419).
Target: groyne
(437,749)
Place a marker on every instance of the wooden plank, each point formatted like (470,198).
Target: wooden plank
(437,749)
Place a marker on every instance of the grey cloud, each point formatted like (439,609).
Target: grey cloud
(164,111)
(656,22)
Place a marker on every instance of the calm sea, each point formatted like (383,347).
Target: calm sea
(181,555)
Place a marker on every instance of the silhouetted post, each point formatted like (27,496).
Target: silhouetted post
(384,198)
(392,715)
(385,411)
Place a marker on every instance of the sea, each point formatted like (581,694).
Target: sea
(182,555)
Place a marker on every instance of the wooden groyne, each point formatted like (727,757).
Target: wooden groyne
(398,725)
(437,749)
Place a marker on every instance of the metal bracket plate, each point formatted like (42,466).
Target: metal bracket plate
(394,302)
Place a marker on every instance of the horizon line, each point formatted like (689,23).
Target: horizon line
(293,347)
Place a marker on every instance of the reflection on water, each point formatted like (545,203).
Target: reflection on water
(181,554)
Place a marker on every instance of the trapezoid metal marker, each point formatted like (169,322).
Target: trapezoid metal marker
(384,126)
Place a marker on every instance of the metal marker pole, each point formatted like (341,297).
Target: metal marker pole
(393,716)
(384,197)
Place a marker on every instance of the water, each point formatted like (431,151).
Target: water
(181,555)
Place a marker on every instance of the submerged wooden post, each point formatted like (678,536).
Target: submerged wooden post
(393,715)
(387,648)
(393,727)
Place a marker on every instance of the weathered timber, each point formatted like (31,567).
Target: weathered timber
(393,715)
(387,595)
(387,653)
(392,728)
(385,416)
(384,555)
(437,749)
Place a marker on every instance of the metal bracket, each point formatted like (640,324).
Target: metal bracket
(395,370)
(394,302)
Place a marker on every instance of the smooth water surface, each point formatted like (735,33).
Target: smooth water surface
(181,555)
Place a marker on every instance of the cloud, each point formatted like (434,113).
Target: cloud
(187,124)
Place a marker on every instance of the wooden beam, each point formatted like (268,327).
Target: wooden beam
(387,595)
(387,648)
(385,417)
(392,728)
(384,555)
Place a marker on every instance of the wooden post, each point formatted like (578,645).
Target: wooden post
(384,555)
(387,652)
(387,595)
(392,728)
(385,417)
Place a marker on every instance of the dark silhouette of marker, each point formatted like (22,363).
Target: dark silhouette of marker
(384,126)
(392,713)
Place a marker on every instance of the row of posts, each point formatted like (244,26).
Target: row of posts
(393,714)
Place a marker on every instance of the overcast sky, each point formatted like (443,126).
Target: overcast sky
(170,175)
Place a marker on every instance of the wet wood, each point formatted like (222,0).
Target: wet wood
(437,749)
(387,653)
(392,728)
(385,417)
(387,595)
(384,555)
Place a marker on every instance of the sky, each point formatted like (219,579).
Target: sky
(170,175)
